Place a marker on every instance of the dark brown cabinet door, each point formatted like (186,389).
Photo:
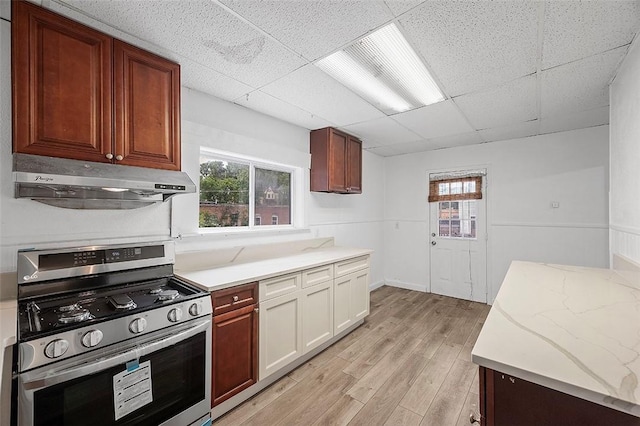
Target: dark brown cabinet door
(235,353)
(147,109)
(354,166)
(508,400)
(336,162)
(62,95)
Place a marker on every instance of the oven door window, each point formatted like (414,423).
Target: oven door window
(178,382)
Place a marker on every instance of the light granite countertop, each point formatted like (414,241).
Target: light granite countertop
(572,329)
(220,277)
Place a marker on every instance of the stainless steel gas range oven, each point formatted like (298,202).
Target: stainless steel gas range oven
(108,336)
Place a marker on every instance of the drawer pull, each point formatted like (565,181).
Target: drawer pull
(235,299)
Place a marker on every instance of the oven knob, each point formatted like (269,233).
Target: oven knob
(56,348)
(91,338)
(195,309)
(175,315)
(138,325)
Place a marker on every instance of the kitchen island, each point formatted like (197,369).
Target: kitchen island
(561,342)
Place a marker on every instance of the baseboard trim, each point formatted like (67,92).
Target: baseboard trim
(374,286)
(408,286)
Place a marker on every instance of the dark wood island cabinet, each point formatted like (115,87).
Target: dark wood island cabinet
(507,400)
(77,93)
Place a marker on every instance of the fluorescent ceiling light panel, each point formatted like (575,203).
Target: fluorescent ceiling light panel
(384,69)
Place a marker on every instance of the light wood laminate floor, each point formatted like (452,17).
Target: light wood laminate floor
(408,364)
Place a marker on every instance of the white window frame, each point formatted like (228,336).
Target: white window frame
(274,216)
(296,197)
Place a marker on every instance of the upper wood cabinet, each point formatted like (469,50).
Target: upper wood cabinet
(81,94)
(336,162)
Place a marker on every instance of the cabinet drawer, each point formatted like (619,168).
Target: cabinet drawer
(314,276)
(234,298)
(277,286)
(351,265)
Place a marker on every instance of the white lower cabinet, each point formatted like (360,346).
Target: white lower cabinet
(317,315)
(280,332)
(317,305)
(351,299)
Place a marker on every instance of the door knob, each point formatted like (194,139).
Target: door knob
(433,243)
(119,157)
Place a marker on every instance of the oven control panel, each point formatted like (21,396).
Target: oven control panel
(44,265)
(42,351)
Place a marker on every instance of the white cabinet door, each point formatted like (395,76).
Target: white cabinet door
(317,315)
(280,332)
(351,299)
(342,303)
(360,294)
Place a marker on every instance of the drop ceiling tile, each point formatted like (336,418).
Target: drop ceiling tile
(384,151)
(201,31)
(274,107)
(578,120)
(470,138)
(440,119)
(206,80)
(314,28)
(381,131)
(574,30)
(514,102)
(398,7)
(312,90)
(514,131)
(474,45)
(580,85)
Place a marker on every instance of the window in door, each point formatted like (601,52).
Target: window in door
(457,219)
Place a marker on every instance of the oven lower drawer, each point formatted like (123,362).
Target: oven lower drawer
(161,380)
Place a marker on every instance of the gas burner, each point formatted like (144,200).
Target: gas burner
(155,290)
(73,316)
(168,295)
(70,308)
(122,302)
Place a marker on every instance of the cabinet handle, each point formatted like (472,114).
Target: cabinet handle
(256,310)
(235,299)
(119,157)
(472,419)
(109,156)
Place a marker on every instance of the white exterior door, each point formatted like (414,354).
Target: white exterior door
(458,249)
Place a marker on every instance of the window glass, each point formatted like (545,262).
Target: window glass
(457,219)
(456,187)
(469,186)
(224,194)
(443,189)
(273,196)
(244,193)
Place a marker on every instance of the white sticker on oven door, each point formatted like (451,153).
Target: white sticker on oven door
(132,390)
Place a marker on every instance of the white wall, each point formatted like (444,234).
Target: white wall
(354,220)
(524,177)
(625,158)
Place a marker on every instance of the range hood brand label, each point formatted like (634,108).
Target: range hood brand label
(170,187)
(39,178)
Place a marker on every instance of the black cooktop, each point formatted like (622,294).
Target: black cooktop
(39,317)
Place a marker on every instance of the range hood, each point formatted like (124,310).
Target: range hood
(77,184)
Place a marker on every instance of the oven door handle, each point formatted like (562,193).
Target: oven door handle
(49,378)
